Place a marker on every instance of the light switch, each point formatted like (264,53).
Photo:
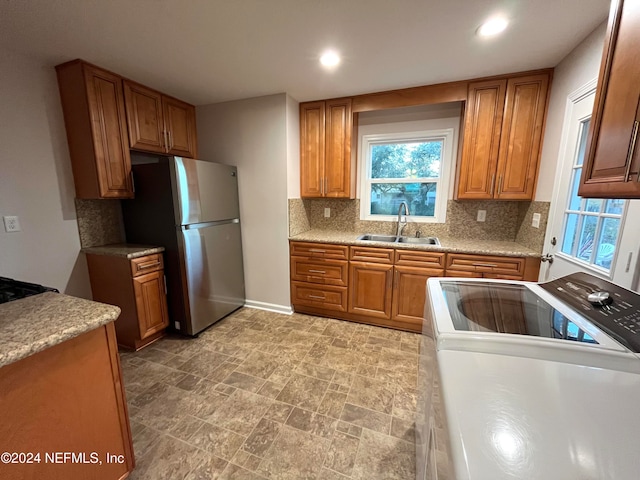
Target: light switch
(535,223)
(11,224)
(327,212)
(482,215)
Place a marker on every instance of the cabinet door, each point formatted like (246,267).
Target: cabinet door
(521,137)
(111,149)
(312,138)
(151,303)
(481,141)
(180,123)
(612,160)
(370,288)
(410,292)
(338,128)
(144,118)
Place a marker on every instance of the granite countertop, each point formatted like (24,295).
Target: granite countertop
(35,323)
(126,250)
(481,247)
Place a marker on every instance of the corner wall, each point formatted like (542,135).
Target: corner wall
(36,182)
(252,135)
(575,70)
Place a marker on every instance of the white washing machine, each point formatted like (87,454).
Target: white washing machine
(536,381)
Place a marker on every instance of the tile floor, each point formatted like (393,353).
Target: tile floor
(262,395)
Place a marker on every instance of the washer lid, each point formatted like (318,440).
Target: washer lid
(507,308)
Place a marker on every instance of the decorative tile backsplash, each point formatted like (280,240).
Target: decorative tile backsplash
(505,221)
(99,222)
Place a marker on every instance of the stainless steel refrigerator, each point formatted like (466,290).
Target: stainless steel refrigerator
(191,208)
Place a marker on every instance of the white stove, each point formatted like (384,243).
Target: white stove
(539,381)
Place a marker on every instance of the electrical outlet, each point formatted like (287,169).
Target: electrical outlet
(482,215)
(535,223)
(11,224)
(327,212)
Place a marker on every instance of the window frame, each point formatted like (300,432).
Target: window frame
(394,133)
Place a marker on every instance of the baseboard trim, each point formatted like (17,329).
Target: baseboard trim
(269,307)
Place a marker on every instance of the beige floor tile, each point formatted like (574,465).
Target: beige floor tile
(366,418)
(303,391)
(314,423)
(216,440)
(241,412)
(294,455)
(261,438)
(372,394)
(382,456)
(341,456)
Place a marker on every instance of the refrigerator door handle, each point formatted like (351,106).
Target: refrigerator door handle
(193,226)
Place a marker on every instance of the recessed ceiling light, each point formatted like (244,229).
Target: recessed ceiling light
(493,26)
(330,59)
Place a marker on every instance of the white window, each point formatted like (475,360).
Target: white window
(412,167)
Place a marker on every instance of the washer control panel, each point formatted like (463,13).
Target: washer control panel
(614,309)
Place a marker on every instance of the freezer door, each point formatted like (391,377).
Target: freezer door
(204,191)
(214,272)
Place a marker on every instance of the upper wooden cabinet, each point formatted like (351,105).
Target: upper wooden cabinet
(327,168)
(612,161)
(158,123)
(503,126)
(94,117)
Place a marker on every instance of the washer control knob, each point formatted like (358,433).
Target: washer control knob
(600,298)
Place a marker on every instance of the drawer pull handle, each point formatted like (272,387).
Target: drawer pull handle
(485,265)
(317,271)
(316,296)
(144,266)
(316,250)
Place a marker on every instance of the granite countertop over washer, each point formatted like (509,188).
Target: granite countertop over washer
(35,323)
(454,245)
(126,250)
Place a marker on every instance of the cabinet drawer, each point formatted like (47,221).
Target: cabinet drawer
(146,264)
(321,270)
(323,250)
(372,254)
(413,258)
(484,264)
(320,296)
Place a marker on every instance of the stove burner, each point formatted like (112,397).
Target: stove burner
(13,289)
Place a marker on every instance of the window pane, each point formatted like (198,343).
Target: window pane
(587,235)
(614,206)
(406,160)
(574,199)
(593,205)
(608,241)
(387,197)
(584,130)
(571,223)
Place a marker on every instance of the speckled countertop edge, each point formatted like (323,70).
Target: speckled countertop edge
(35,323)
(126,250)
(453,245)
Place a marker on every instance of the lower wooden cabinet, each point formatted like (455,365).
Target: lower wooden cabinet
(370,290)
(137,286)
(385,286)
(498,267)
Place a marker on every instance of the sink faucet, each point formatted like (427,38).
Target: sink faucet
(402,224)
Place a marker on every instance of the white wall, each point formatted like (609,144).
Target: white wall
(36,182)
(293,148)
(575,70)
(252,135)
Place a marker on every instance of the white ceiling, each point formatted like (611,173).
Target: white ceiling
(207,51)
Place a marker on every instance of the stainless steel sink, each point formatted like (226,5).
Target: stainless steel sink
(395,239)
(420,240)
(378,238)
